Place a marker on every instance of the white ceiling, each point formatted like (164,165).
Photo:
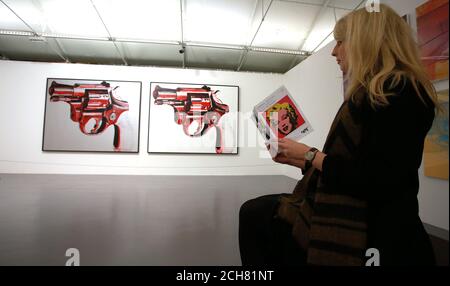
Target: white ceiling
(243,35)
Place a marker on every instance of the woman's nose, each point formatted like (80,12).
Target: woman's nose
(334,53)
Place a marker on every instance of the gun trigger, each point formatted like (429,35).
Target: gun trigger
(96,126)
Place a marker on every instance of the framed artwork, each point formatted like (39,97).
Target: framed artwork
(193,118)
(91,116)
(436,143)
(432,31)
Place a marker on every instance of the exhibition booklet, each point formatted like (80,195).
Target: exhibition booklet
(279,116)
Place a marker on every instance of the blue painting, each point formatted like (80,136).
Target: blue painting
(436,143)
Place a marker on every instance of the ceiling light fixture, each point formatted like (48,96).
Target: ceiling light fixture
(74,37)
(278,51)
(16,33)
(38,39)
(216,46)
(144,41)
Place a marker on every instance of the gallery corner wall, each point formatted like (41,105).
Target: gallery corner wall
(23,92)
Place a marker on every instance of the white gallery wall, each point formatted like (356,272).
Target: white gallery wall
(23,91)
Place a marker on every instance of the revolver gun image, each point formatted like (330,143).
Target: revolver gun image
(91,102)
(191,105)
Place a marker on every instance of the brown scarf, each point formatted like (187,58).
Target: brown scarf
(332,228)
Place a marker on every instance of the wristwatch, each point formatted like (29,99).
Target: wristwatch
(309,157)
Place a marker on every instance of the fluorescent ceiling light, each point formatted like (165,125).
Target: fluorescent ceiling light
(146,41)
(15,33)
(215,45)
(278,51)
(74,37)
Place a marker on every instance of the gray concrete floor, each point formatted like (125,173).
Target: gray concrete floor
(126,220)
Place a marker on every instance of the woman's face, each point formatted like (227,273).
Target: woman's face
(283,122)
(340,54)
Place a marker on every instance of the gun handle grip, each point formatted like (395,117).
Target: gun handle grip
(219,140)
(116,137)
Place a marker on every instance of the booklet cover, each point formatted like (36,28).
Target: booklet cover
(279,116)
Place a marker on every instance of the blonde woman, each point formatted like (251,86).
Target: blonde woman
(358,196)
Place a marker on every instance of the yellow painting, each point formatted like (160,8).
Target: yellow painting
(436,143)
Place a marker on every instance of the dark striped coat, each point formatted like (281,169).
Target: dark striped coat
(331,227)
(366,195)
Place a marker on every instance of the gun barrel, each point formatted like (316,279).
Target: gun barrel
(76,92)
(169,101)
(61,92)
(164,93)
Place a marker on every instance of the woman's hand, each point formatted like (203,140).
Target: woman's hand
(292,149)
(282,159)
(291,153)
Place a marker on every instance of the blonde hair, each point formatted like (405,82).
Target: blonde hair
(379,47)
(279,106)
